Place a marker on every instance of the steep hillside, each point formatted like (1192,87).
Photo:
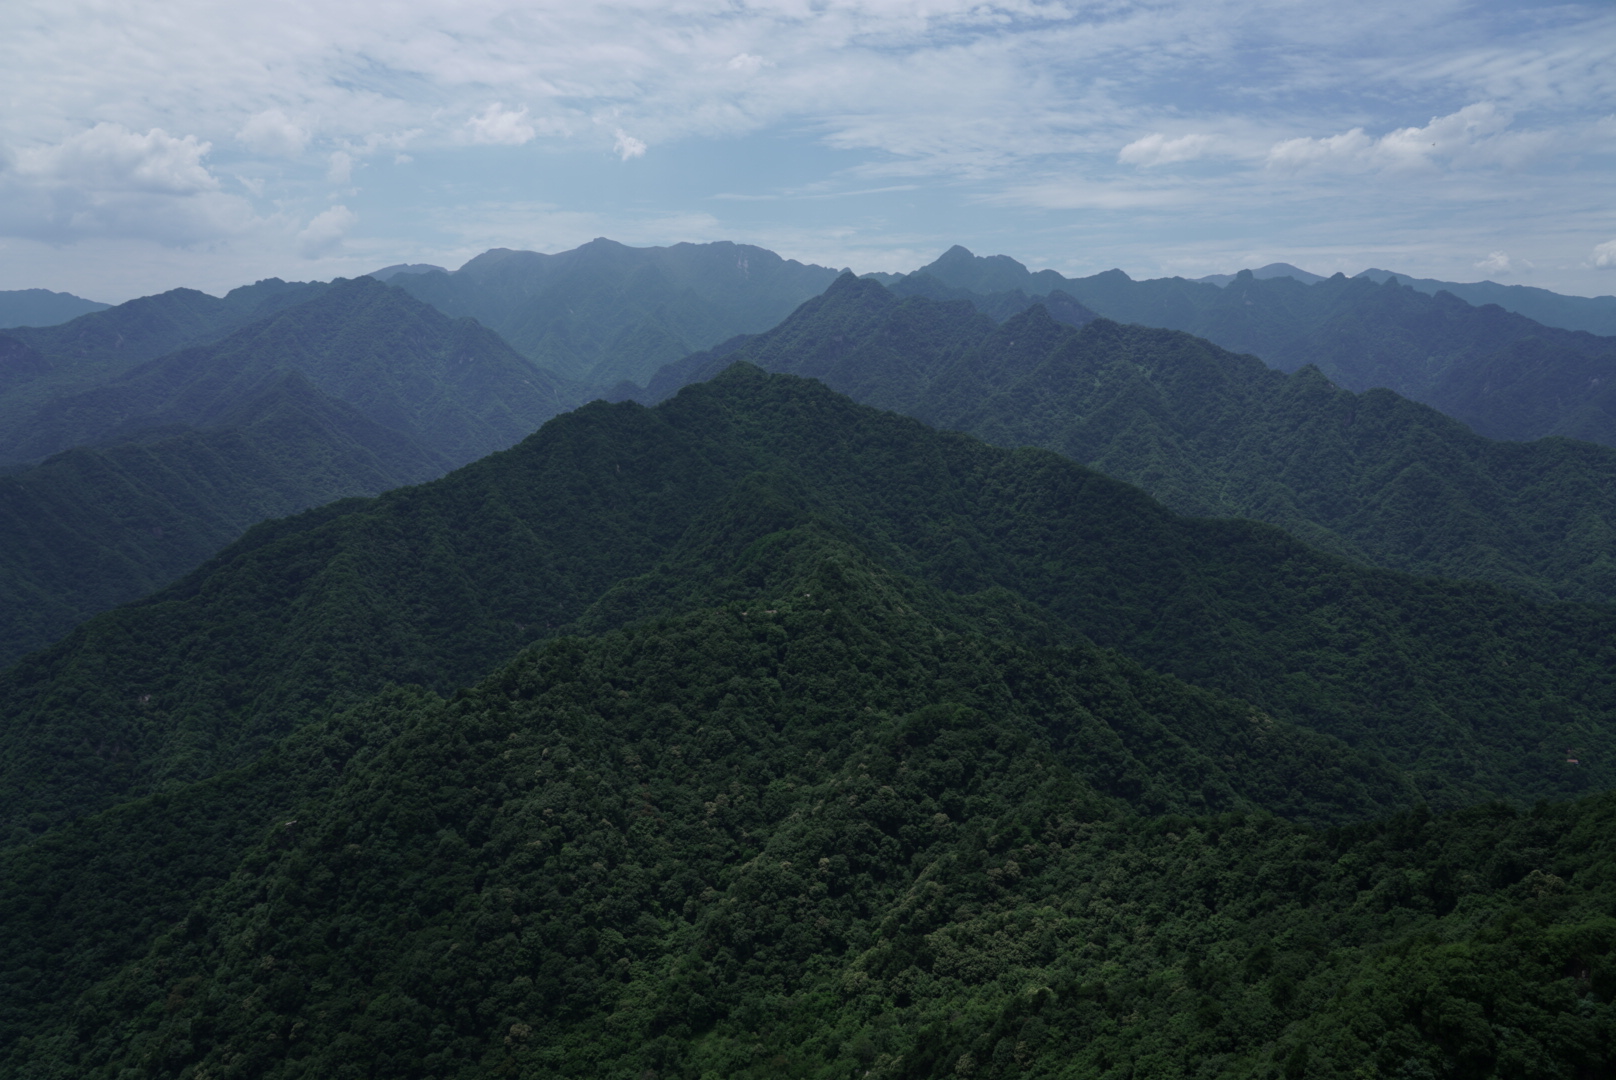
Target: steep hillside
(1371,476)
(101,344)
(452,385)
(1472,691)
(144,475)
(833,826)
(1501,373)
(604,313)
(98,526)
(41,307)
(1595,314)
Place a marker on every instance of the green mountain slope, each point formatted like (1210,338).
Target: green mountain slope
(1370,476)
(41,307)
(1472,690)
(604,313)
(837,828)
(95,527)
(1501,373)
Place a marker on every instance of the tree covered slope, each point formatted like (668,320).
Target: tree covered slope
(98,526)
(1371,476)
(358,389)
(1470,690)
(604,313)
(837,824)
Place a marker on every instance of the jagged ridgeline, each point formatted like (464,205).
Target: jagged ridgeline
(357,389)
(604,312)
(1475,691)
(1496,370)
(1371,476)
(815,818)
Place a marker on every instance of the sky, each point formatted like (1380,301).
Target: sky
(210,143)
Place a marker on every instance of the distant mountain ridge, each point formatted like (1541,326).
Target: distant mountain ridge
(1505,375)
(42,307)
(604,312)
(140,477)
(1371,476)
(1594,314)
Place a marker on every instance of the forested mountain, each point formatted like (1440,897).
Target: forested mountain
(1473,691)
(837,771)
(41,307)
(450,384)
(1371,476)
(98,526)
(102,344)
(604,313)
(356,390)
(1504,375)
(1595,314)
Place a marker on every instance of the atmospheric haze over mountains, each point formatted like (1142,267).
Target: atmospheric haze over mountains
(688,661)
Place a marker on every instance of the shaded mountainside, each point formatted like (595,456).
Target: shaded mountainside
(604,313)
(1473,691)
(1371,476)
(100,345)
(358,389)
(1595,314)
(837,824)
(1503,374)
(42,307)
(452,385)
(98,526)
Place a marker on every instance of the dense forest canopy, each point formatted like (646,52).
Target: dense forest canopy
(763,732)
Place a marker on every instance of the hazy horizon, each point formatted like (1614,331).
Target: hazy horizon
(161,145)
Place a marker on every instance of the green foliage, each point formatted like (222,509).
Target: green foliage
(604,313)
(95,527)
(1477,692)
(836,830)
(1370,476)
(355,390)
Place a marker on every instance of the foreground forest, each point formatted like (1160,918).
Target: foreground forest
(848,748)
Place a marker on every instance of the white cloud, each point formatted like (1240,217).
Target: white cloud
(745,62)
(108,181)
(1605,255)
(1473,135)
(1158,149)
(1495,263)
(325,233)
(627,146)
(339,169)
(499,126)
(271,132)
(110,158)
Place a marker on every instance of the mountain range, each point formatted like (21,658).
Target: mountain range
(605,313)
(1370,476)
(144,475)
(849,746)
(757,730)
(1504,375)
(41,307)
(1595,314)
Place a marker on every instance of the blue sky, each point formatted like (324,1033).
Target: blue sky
(192,142)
